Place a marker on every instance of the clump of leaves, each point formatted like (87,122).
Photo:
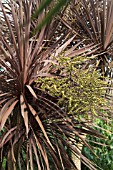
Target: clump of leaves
(93,21)
(35,131)
(79,91)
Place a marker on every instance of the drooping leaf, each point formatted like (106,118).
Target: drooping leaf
(6,114)
(50,14)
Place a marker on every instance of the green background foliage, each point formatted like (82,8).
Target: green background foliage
(104,151)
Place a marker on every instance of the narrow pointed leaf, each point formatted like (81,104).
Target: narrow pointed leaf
(31,91)
(24,113)
(40,124)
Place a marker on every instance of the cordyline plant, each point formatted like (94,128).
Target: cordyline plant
(34,131)
(92,20)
